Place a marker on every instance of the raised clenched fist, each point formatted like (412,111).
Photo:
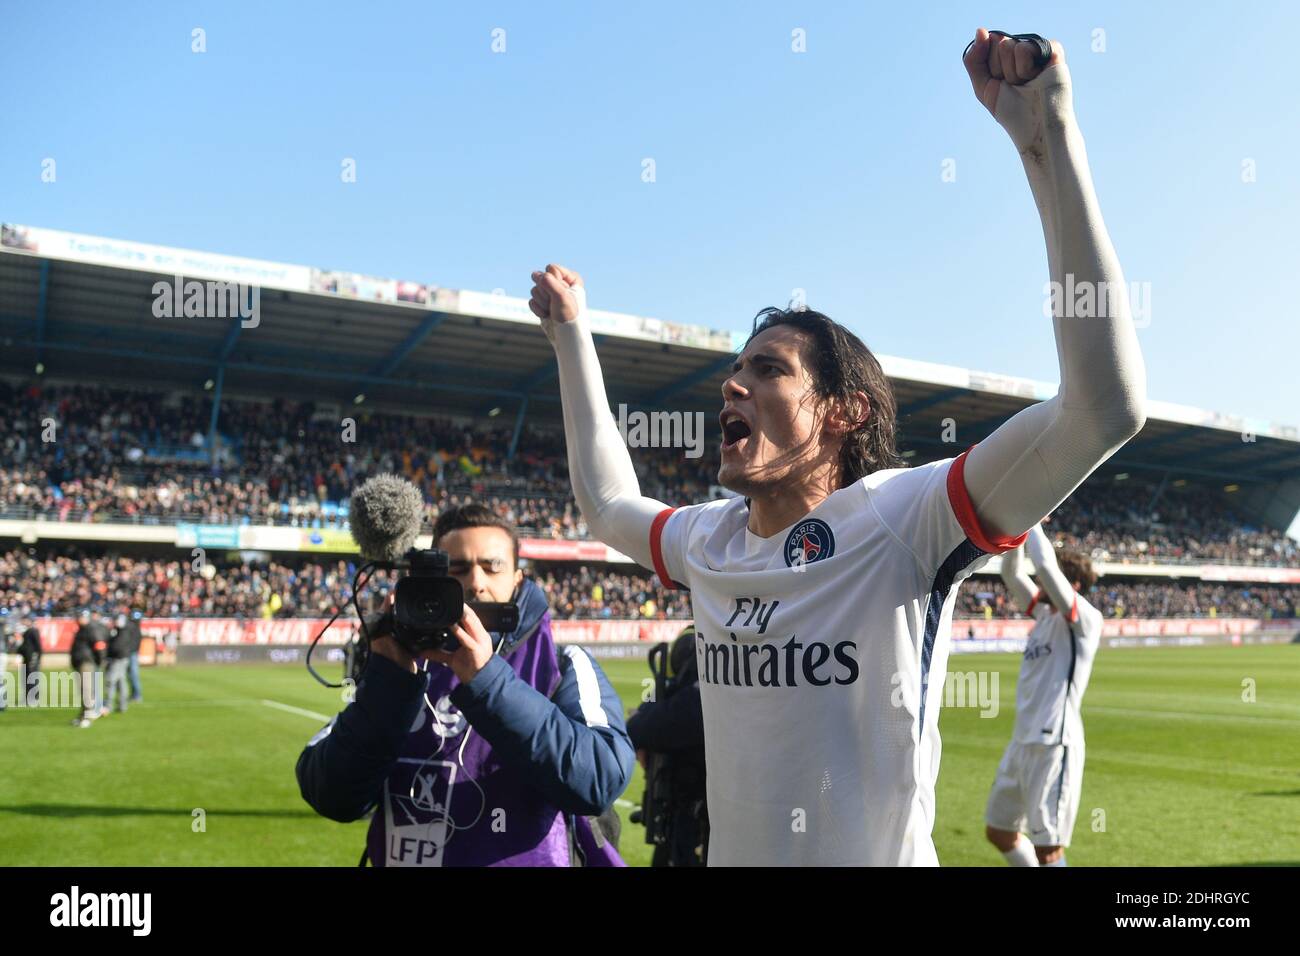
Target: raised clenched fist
(1031,103)
(557,294)
(996,61)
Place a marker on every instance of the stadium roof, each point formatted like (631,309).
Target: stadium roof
(86,309)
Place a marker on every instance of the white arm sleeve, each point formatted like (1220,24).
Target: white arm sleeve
(600,469)
(1019,583)
(1054,583)
(1032,463)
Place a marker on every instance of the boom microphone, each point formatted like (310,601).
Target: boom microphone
(386,515)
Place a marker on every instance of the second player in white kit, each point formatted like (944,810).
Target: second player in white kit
(1040,777)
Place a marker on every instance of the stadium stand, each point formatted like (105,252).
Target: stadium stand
(140,456)
(63,583)
(987,598)
(132,443)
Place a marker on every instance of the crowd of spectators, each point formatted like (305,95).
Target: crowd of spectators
(987,598)
(62,584)
(598,591)
(1138,520)
(90,453)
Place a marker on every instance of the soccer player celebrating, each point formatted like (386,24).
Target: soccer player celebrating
(1041,774)
(823,597)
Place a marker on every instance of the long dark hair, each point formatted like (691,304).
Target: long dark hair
(841,365)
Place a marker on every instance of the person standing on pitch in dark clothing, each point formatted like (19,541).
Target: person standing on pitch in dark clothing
(85,662)
(668,734)
(103,634)
(7,641)
(118,654)
(134,637)
(29,649)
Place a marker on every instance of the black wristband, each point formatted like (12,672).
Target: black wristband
(1044,47)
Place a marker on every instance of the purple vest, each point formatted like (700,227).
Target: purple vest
(450,802)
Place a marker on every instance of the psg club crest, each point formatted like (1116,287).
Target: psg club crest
(810,541)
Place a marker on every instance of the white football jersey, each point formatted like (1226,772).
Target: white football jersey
(1054,672)
(822,652)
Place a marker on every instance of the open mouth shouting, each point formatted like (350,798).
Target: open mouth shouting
(735,429)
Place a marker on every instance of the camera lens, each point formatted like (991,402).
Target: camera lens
(426,604)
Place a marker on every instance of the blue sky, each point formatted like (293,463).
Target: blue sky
(773,170)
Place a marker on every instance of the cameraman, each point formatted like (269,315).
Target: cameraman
(668,734)
(497,759)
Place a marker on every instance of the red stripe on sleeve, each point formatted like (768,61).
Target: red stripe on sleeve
(1074,610)
(962,507)
(657,550)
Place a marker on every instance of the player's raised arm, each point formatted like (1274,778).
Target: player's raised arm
(604,483)
(1016,577)
(1030,464)
(1051,578)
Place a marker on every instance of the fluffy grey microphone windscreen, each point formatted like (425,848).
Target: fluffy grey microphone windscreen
(386,516)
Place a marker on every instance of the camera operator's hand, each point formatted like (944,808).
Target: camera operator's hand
(475,648)
(387,646)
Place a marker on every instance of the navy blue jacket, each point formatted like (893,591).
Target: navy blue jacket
(568,739)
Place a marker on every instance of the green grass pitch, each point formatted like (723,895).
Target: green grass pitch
(1181,770)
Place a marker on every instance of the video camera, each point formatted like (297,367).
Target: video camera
(674,809)
(428,601)
(385,514)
